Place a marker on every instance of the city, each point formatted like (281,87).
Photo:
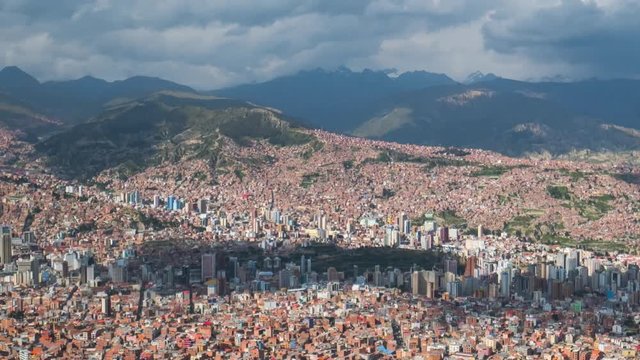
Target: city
(320,180)
(142,268)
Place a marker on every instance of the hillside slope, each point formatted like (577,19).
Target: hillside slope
(481,116)
(163,127)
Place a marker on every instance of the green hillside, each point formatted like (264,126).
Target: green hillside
(164,127)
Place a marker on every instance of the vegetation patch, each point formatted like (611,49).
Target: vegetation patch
(559,192)
(595,207)
(521,225)
(504,199)
(290,138)
(496,170)
(589,244)
(389,156)
(313,147)
(238,173)
(150,221)
(387,193)
(591,209)
(490,171)
(603,245)
(309,179)
(200,176)
(423,218)
(574,175)
(554,239)
(348,164)
(450,218)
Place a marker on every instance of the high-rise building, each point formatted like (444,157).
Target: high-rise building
(400,222)
(332,274)
(454,288)
(118,272)
(135,198)
(505,283)
(470,267)
(561,259)
(235,266)
(156,201)
(444,235)
(5,248)
(208,266)
(377,276)
(284,279)
(28,272)
(170,202)
(426,241)
(322,224)
(105,302)
(255,226)
(202,205)
(28,237)
(90,273)
(423,283)
(451,266)
(406,226)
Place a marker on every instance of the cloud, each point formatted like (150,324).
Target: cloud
(214,43)
(599,38)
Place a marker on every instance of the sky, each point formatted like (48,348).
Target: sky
(210,44)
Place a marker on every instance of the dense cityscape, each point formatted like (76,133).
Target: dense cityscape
(268,262)
(320,180)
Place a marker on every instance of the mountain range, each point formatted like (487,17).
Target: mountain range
(486,111)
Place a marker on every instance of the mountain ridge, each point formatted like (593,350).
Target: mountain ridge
(163,127)
(490,112)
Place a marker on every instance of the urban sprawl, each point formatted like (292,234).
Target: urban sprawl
(277,261)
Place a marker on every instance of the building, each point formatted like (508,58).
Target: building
(451,266)
(28,273)
(454,288)
(505,283)
(470,266)
(423,283)
(5,247)
(332,274)
(444,235)
(208,267)
(105,303)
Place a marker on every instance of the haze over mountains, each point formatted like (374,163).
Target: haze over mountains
(489,112)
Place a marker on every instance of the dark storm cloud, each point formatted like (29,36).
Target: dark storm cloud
(603,37)
(211,43)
